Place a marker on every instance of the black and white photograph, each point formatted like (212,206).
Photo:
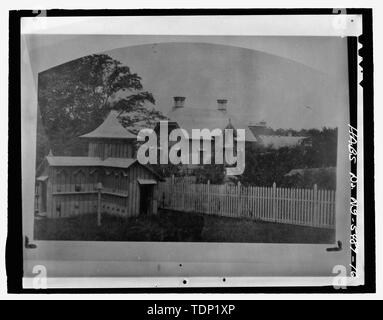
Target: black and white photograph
(196,149)
(92,185)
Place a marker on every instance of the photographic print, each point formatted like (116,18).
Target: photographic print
(173,151)
(208,139)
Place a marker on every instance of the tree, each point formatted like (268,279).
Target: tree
(215,173)
(266,166)
(75,97)
(324,178)
(42,142)
(167,170)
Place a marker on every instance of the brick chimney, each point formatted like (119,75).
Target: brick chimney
(179,102)
(222,104)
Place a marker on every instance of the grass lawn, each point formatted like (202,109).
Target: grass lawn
(177,226)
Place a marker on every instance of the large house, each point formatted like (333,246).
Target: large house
(189,118)
(69,186)
(257,135)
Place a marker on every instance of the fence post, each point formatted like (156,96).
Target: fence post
(239,207)
(274,202)
(99,188)
(316,220)
(208,196)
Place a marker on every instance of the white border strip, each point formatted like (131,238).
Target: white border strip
(268,25)
(183,282)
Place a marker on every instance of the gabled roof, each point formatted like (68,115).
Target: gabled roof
(111,128)
(189,118)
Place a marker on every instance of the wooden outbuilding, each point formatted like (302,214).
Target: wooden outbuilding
(70,186)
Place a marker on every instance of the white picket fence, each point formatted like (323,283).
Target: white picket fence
(306,207)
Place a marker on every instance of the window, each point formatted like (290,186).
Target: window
(61,180)
(94,177)
(79,178)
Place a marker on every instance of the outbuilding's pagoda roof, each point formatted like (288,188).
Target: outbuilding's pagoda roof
(111,128)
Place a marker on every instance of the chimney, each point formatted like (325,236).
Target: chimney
(179,102)
(222,104)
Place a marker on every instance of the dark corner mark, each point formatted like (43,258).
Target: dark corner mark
(337,248)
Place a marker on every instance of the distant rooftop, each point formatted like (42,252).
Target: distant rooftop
(276,142)
(111,128)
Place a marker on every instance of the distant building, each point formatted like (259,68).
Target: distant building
(266,138)
(277,142)
(189,118)
(260,128)
(310,171)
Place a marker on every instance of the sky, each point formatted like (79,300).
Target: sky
(308,92)
(289,82)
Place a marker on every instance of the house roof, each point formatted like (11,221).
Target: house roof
(276,142)
(189,118)
(111,128)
